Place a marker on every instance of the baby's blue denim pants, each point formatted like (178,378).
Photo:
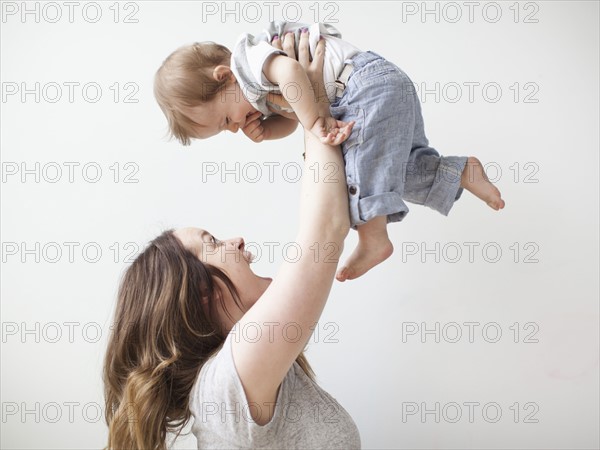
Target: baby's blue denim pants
(388,158)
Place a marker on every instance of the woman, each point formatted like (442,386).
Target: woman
(175,351)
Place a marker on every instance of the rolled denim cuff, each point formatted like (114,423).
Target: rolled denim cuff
(446,186)
(388,204)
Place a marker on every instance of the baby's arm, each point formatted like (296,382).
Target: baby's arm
(274,127)
(289,74)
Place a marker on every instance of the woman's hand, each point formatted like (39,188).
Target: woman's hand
(313,67)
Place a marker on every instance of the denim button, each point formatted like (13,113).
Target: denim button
(352,190)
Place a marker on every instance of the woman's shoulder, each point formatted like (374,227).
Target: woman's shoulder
(221,410)
(218,380)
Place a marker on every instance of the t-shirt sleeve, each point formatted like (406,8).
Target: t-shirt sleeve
(221,409)
(248,58)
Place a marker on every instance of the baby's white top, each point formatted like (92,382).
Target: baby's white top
(251,52)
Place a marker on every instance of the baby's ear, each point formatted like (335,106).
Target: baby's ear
(222,72)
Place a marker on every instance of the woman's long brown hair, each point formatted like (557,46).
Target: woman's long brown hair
(160,339)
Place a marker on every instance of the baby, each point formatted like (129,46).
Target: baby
(204,89)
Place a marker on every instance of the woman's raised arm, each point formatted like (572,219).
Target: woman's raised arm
(299,291)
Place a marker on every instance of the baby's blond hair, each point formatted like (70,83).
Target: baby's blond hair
(186,79)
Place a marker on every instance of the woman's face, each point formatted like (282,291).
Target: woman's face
(231,257)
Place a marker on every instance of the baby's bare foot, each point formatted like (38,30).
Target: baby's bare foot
(475,180)
(367,254)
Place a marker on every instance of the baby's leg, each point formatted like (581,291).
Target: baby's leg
(373,247)
(375,156)
(438,181)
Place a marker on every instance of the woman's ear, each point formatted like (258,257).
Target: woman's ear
(222,72)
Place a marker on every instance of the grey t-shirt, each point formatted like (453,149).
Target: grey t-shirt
(305,416)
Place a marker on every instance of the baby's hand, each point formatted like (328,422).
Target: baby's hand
(253,127)
(331,131)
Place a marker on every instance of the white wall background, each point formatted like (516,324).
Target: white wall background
(540,141)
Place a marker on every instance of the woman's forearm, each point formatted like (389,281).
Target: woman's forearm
(324,204)
(324,213)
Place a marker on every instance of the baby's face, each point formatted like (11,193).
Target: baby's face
(228,111)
